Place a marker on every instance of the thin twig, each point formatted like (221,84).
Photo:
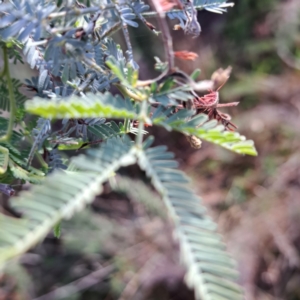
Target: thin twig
(127,40)
(166,36)
(167,42)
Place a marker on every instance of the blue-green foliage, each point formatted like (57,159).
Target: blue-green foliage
(79,66)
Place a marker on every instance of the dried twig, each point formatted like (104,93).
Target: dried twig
(166,36)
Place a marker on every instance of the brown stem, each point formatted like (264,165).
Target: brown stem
(166,36)
(168,44)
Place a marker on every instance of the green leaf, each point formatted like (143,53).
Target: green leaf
(4,95)
(117,69)
(132,75)
(75,145)
(148,142)
(106,130)
(90,106)
(153,87)
(169,96)
(42,209)
(168,84)
(200,127)
(195,74)
(210,269)
(57,230)
(65,73)
(21,173)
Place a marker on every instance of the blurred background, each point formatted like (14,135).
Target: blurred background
(254,200)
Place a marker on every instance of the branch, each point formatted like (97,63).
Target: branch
(166,36)
(167,41)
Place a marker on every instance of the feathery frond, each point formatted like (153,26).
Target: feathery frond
(210,270)
(106,130)
(55,161)
(19,26)
(69,44)
(92,106)
(16,163)
(200,127)
(32,175)
(42,209)
(4,99)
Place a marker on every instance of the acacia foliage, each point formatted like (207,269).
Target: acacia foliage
(78,62)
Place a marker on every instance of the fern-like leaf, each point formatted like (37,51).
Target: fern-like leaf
(106,130)
(33,175)
(200,127)
(55,161)
(42,209)
(4,98)
(210,270)
(15,161)
(91,106)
